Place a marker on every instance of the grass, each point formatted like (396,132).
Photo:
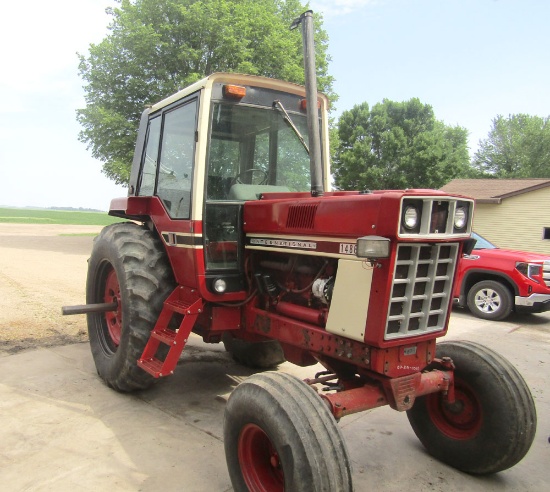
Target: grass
(45,216)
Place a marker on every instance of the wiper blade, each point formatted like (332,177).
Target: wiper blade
(279,105)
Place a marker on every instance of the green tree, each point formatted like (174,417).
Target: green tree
(516,147)
(156,47)
(397,145)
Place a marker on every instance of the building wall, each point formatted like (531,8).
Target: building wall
(518,222)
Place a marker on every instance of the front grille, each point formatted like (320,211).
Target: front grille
(421,289)
(546,273)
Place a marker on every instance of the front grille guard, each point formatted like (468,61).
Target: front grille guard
(421,289)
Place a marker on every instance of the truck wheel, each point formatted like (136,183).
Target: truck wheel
(490,299)
(492,423)
(279,435)
(128,265)
(262,355)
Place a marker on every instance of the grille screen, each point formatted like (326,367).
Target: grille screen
(301,216)
(421,290)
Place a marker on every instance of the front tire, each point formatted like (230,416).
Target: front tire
(490,300)
(492,423)
(128,265)
(279,435)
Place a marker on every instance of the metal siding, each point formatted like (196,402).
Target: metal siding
(517,222)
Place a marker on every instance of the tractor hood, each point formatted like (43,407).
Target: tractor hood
(354,214)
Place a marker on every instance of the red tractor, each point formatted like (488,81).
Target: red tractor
(232,236)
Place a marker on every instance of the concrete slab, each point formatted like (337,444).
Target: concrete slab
(63,429)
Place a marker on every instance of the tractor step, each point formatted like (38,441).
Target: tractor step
(183,301)
(152,366)
(167,337)
(181,306)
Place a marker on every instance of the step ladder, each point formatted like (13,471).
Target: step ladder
(186,302)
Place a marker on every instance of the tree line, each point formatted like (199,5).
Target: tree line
(396,145)
(156,47)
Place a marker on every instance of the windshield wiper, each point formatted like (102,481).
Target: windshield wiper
(279,105)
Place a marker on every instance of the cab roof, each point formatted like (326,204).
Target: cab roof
(236,78)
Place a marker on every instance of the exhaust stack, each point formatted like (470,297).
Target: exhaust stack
(314,139)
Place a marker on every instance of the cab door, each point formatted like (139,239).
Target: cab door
(166,176)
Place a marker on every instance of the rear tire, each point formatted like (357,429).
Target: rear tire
(128,265)
(261,355)
(492,423)
(490,300)
(279,435)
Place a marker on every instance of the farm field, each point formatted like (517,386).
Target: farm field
(47,216)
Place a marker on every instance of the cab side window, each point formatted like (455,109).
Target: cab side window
(175,170)
(149,169)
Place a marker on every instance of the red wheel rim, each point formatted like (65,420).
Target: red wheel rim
(259,460)
(460,420)
(113,318)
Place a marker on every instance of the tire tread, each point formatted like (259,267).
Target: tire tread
(502,389)
(322,446)
(148,280)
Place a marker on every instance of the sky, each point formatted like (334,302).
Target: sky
(471,60)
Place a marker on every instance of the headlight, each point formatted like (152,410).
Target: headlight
(410,217)
(461,218)
(530,270)
(373,247)
(220,285)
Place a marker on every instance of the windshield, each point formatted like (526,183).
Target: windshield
(253,150)
(482,243)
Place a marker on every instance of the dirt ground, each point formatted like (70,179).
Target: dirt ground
(42,267)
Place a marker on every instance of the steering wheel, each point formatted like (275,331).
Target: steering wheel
(262,178)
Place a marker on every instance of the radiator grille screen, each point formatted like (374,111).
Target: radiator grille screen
(421,290)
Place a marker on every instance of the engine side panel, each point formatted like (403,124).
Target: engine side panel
(350,300)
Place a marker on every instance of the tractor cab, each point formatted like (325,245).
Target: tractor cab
(205,151)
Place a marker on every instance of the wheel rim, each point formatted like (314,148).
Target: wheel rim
(113,319)
(488,301)
(460,420)
(259,461)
